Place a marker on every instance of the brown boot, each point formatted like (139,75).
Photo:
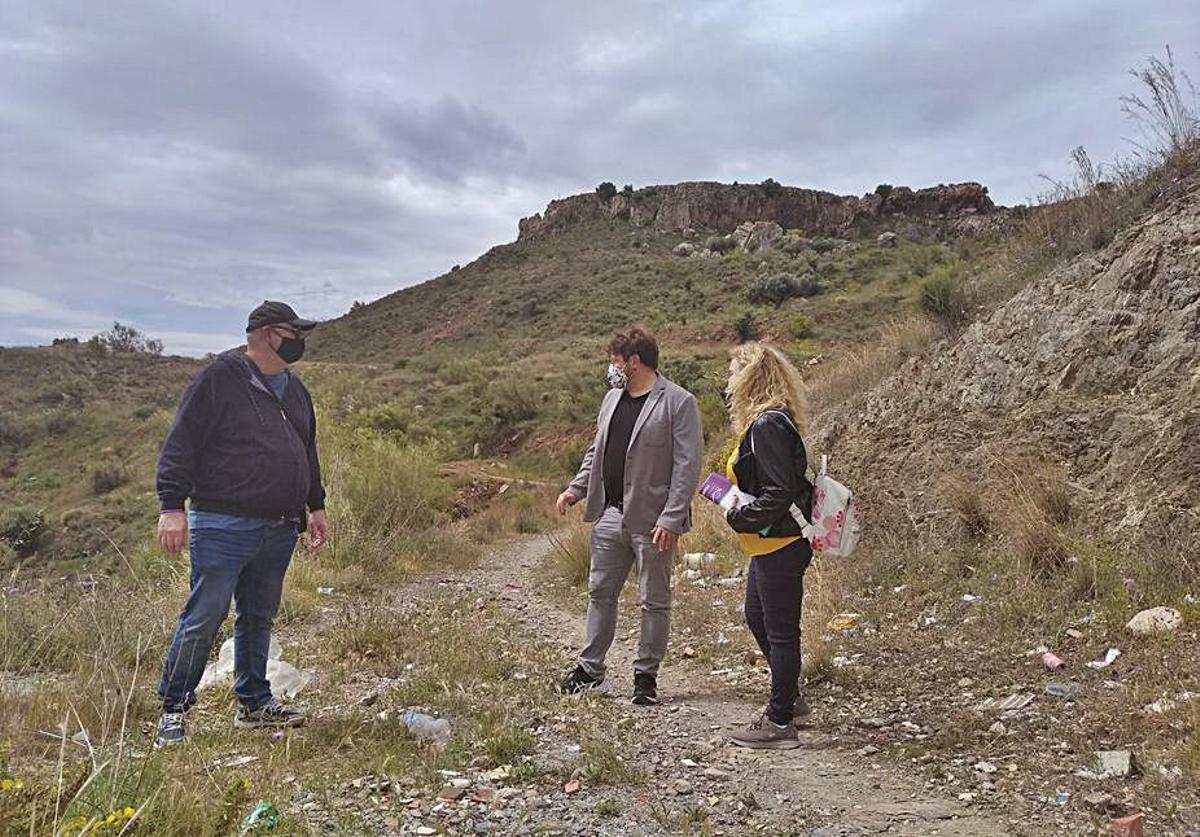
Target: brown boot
(763,734)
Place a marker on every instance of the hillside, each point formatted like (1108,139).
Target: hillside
(1093,368)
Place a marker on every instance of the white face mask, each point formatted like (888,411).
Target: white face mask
(617,378)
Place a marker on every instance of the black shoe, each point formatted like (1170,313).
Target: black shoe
(645,689)
(270,714)
(579,681)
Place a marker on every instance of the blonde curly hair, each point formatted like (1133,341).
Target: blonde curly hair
(761,378)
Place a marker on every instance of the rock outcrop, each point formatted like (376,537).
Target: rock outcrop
(1096,367)
(959,209)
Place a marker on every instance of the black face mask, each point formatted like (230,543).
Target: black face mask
(291,349)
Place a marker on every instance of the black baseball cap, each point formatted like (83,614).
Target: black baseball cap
(276,313)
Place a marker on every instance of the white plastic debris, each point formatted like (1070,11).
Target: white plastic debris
(286,680)
(1156,620)
(1108,660)
(696,560)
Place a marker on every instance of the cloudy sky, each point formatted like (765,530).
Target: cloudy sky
(171,164)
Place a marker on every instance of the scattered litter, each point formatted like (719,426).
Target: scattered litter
(1052,661)
(1130,826)
(1074,634)
(696,560)
(424,726)
(997,729)
(325,591)
(688,653)
(1156,620)
(969,598)
(237,761)
(844,622)
(1108,660)
(286,680)
(900,589)
(1063,691)
(1037,652)
(1190,598)
(692,575)
(1129,583)
(262,817)
(499,774)
(1116,763)
(730,581)
(688,763)
(1062,797)
(1011,703)
(985,767)
(1099,801)
(968,796)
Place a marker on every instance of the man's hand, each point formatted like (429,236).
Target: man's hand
(566,500)
(172,531)
(318,529)
(664,539)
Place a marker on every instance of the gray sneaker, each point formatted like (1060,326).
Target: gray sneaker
(270,714)
(170,730)
(763,734)
(802,714)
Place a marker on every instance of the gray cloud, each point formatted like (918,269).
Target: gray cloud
(171,164)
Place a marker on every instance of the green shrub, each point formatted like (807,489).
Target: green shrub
(460,370)
(12,433)
(808,286)
(800,327)
(774,290)
(385,418)
(108,476)
(794,246)
(940,295)
(390,488)
(606,190)
(720,243)
(124,339)
(822,245)
(25,530)
(745,328)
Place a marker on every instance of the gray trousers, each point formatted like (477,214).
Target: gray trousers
(614,549)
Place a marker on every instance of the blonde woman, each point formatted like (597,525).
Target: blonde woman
(769,462)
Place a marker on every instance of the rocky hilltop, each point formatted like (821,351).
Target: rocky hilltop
(1094,367)
(957,209)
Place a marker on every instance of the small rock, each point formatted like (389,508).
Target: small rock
(688,653)
(997,729)
(682,787)
(426,831)
(450,793)
(872,723)
(714,773)
(684,248)
(886,239)
(869,750)
(1156,620)
(985,767)
(572,787)
(1099,801)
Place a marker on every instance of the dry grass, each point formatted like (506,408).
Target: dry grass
(859,371)
(572,554)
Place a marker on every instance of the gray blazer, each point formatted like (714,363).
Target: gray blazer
(662,467)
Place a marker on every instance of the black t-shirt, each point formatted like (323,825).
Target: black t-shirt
(620,431)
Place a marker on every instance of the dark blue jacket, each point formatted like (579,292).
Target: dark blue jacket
(237,449)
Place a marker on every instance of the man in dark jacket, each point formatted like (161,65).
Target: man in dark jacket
(243,450)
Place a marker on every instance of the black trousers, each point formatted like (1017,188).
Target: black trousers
(774,591)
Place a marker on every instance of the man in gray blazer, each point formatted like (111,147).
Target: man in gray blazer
(638,479)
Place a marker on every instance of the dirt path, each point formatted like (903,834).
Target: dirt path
(817,789)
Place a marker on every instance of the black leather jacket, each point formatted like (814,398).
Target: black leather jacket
(771,465)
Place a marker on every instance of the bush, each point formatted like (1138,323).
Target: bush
(774,290)
(823,245)
(12,433)
(800,327)
(720,243)
(25,530)
(108,476)
(794,246)
(390,488)
(808,286)
(745,328)
(606,190)
(940,295)
(127,339)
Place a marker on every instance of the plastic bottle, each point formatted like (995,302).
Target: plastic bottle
(426,726)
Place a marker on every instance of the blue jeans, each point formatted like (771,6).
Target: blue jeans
(245,566)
